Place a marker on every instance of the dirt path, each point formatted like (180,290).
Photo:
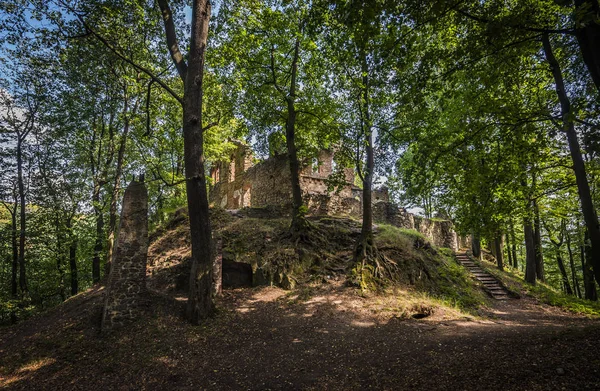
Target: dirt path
(333,339)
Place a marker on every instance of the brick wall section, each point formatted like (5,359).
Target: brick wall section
(126,285)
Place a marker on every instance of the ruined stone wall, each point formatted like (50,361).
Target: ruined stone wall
(126,284)
(440,232)
(267,184)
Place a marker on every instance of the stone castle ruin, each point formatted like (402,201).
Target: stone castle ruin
(240,183)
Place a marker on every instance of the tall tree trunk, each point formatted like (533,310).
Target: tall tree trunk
(514,246)
(298,225)
(589,285)
(583,187)
(587,31)
(72,257)
(112,216)
(60,258)
(476,246)
(200,302)
(14,287)
(21,186)
(539,258)
(530,273)
(563,272)
(572,264)
(498,249)
(99,234)
(510,260)
(366,246)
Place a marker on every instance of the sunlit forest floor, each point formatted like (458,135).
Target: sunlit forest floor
(323,336)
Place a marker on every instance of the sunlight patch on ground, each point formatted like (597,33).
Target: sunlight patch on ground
(26,370)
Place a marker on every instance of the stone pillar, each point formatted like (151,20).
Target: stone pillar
(218,267)
(126,284)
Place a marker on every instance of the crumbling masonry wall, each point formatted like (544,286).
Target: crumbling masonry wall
(126,285)
(239,184)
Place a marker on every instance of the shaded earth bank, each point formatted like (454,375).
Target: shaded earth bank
(324,337)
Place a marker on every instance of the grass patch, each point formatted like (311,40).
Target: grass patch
(514,280)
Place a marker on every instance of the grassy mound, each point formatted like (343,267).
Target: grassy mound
(276,259)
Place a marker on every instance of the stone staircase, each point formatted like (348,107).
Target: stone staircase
(490,283)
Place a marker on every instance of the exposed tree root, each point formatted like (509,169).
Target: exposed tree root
(372,270)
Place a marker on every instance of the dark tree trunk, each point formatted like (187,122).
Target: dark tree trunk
(587,32)
(200,303)
(583,187)
(99,234)
(563,272)
(72,258)
(366,246)
(539,258)
(510,259)
(589,285)
(530,273)
(112,216)
(21,185)
(60,258)
(498,249)
(572,264)
(514,246)
(298,225)
(14,287)
(476,246)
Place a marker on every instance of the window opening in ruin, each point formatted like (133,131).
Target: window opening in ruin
(315,166)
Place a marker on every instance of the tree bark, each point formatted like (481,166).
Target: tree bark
(476,246)
(539,257)
(22,227)
(498,249)
(99,235)
(583,187)
(200,303)
(60,257)
(530,273)
(589,285)
(572,264)
(510,260)
(112,215)
(563,272)
(298,220)
(587,31)
(72,257)
(366,244)
(514,246)
(14,287)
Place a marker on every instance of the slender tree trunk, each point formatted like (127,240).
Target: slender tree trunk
(112,216)
(99,234)
(587,31)
(530,273)
(14,287)
(60,258)
(366,245)
(298,225)
(498,249)
(200,303)
(514,246)
(572,264)
(510,260)
(589,285)
(22,227)
(563,272)
(539,258)
(583,187)
(72,257)
(476,246)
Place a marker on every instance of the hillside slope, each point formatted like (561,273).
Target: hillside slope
(433,328)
